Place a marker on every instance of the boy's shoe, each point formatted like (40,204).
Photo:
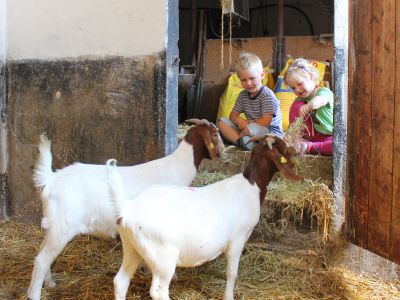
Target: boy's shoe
(241,143)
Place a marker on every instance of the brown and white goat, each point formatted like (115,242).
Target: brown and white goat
(76,199)
(169,226)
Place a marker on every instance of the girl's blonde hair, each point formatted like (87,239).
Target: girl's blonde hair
(247,61)
(303,67)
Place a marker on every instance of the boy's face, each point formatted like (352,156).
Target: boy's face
(251,80)
(302,85)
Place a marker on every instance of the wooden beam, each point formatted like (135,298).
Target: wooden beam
(360,120)
(395,218)
(381,172)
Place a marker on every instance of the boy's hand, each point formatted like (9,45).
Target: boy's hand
(241,123)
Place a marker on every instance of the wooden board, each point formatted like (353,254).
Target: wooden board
(395,220)
(383,55)
(374,128)
(360,121)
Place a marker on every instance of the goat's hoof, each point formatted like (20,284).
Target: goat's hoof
(50,284)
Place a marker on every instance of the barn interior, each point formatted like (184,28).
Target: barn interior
(274,30)
(290,254)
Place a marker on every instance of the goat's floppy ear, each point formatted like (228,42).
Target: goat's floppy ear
(210,146)
(283,166)
(290,152)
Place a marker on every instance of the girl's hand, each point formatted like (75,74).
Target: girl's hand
(304,110)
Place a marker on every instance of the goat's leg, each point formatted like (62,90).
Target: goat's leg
(232,254)
(160,283)
(52,246)
(163,269)
(48,280)
(130,261)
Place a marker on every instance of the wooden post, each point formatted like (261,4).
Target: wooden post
(279,42)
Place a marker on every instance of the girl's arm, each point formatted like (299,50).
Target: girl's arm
(313,104)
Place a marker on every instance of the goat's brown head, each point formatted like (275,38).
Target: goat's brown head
(206,140)
(269,155)
(276,150)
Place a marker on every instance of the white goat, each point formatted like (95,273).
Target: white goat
(169,226)
(76,200)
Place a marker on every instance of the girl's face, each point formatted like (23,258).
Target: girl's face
(251,80)
(303,85)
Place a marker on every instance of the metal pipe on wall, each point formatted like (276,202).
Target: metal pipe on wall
(3,115)
(279,42)
(193,12)
(200,63)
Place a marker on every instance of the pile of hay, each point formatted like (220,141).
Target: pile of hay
(85,270)
(302,203)
(288,204)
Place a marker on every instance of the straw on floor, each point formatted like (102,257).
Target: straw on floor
(87,266)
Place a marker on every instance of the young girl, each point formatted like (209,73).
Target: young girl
(314,104)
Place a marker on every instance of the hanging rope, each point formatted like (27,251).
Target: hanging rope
(227,4)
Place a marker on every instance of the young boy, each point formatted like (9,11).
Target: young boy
(257,102)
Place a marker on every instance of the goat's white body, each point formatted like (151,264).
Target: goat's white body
(85,186)
(170,226)
(76,200)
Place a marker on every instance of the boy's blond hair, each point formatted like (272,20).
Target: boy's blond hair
(247,61)
(303,67)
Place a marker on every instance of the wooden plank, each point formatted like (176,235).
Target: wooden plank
(360,120)
(395,220)
(381,176)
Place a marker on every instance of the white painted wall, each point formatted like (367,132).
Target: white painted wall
(54,29)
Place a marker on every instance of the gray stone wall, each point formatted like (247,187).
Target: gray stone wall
(91,109)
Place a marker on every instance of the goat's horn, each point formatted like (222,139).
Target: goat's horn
(197,121)
(255,139)
(270,141)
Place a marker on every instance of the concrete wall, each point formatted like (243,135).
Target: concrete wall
(54,29)
(93,74)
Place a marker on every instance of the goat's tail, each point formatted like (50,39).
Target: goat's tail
(43,175)
(115,187)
